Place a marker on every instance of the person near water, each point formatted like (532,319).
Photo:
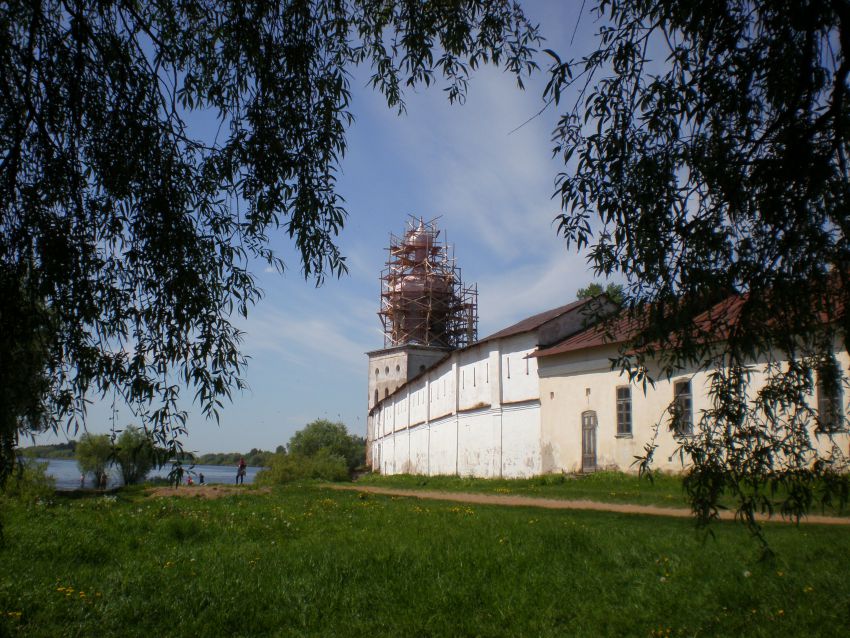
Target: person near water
(240,472)
(201,478)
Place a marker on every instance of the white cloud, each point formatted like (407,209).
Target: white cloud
(509,296)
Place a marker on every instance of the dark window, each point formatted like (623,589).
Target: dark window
(683,408)
(376,395)
(386,392)
(830,397)
(624,410)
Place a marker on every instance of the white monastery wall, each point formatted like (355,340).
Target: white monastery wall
(465,416)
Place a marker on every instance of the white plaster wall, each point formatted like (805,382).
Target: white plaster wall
(479,444)
(386,373)
(453,421)
(519,372)
(442,390)
(419,450)
(521,440)
(444,447)
(474,378)
(418,401)
(575,382)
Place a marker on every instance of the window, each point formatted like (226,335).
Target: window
(682,408)
(624,410)
(830,398)
(376,395)
(386,392)
(377,372)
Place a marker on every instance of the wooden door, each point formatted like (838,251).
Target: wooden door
(588,441)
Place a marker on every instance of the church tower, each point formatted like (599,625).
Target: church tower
(426,311)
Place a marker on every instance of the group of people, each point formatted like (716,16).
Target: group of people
(177,477)
(241,471)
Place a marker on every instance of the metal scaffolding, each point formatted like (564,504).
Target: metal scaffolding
(423,300)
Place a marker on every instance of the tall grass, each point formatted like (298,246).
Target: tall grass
(306,561)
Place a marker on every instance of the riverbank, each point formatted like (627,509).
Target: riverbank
(67,474)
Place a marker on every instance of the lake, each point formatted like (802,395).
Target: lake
(67,474)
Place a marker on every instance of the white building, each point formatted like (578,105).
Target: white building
(537,397)
(476,411)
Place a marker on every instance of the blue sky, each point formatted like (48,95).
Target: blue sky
(491,185)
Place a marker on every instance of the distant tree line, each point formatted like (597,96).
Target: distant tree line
(255,457)
(57,451)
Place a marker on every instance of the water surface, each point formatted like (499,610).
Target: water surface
(67,474)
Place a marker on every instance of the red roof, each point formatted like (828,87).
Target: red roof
(716,323)
(601,334)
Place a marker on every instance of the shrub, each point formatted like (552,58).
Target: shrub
(31,485)
(285,468)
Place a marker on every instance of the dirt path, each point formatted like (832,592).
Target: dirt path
(559,504)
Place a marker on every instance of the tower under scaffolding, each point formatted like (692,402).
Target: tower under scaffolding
(423,299)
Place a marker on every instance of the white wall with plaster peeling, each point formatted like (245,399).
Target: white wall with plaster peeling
(573,383)
(451,419)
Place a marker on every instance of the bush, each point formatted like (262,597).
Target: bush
(333,437)
(31,484)
(285,468)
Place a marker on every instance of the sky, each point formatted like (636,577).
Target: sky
(485,168)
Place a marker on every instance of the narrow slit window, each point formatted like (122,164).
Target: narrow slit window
(830,399)
(624,410)
(683,409)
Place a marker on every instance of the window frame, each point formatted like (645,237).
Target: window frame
(624,408)
(683,404)
(829,397)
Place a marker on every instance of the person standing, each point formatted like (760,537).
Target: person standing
(240,472)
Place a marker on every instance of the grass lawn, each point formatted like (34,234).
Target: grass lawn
(308,561)
(608,487)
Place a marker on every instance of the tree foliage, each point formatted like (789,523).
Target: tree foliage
(94,456)
(127,236)
(135,454)
(331,437)
(593,289)
(706,159)
(285,468)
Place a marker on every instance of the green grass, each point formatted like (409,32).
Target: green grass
(308,561)
(607,487)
